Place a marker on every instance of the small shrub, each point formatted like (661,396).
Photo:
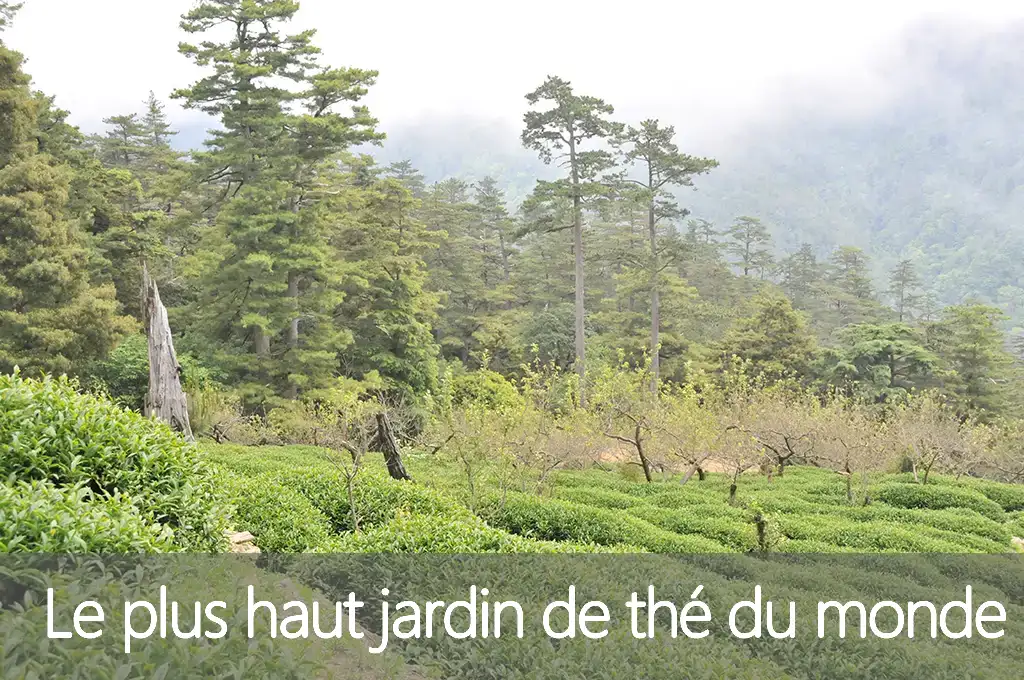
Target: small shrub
(39,517)
(50,432)
(866,536)
(377,498)
(486,388)
(730,532)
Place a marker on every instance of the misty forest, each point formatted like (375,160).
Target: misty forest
(333,347)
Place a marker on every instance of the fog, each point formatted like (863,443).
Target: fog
(712,69)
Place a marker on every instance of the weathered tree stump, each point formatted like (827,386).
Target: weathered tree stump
(388,445)
(166,399)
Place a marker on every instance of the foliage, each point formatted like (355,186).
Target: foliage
(52,433)
(937,497)
(40,517)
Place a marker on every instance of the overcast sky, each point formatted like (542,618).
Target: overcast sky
(709,67)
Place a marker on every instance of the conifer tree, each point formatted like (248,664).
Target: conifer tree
(904,288)
(774,339)
(53,315)
(663,167)
(270,294)
(750,245)
(561,133)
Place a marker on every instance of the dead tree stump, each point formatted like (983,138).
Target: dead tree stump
(387,443)
(166,399)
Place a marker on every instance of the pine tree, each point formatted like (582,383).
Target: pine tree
(53,315)
(270,295)
(7,12)
(560,133)
(751,245)
(968,338)
(663,167)
(802,275)
(387,308)
(904,288)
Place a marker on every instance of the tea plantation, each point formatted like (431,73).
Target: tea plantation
(295,499)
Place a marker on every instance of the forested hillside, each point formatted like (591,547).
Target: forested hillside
(932,173)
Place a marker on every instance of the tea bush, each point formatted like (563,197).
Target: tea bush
(936,497)
(50,432)
(601,498)
(281,519)
(555,520)
(731,532)
(39,517)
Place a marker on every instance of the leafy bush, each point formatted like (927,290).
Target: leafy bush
(50,432)
(867,536)
(377,498)
(960,520)
(936,497)
(487,388)
(39,517)
(281,519)
(1009,496)
(124,374)
(554,520)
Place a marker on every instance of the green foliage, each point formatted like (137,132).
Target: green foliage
(484,387)
(936,497)
(55,313)
(281,519)
(562,521)
(124,373)
(774,340)
(881,362)
(40,517)
(733,533)
(49,432)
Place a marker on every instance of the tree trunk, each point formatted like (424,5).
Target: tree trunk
(577,233)
(655,299)
(166,399)
(292,391)
(388,445)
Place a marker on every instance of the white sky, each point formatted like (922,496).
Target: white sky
(710,67)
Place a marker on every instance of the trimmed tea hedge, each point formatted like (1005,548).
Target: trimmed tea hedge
(555,520)
(937,497)
(281,519)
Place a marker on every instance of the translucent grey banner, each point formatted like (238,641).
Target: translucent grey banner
(529,616)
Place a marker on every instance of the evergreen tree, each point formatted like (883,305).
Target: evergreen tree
(969,340)
(751,245)
(848,290)
(387,308)
(802,275)
(881,361)
(663,167)
(904,288)
(774,340)
(53,314)
(7,12)
(560,133)
(270,293)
